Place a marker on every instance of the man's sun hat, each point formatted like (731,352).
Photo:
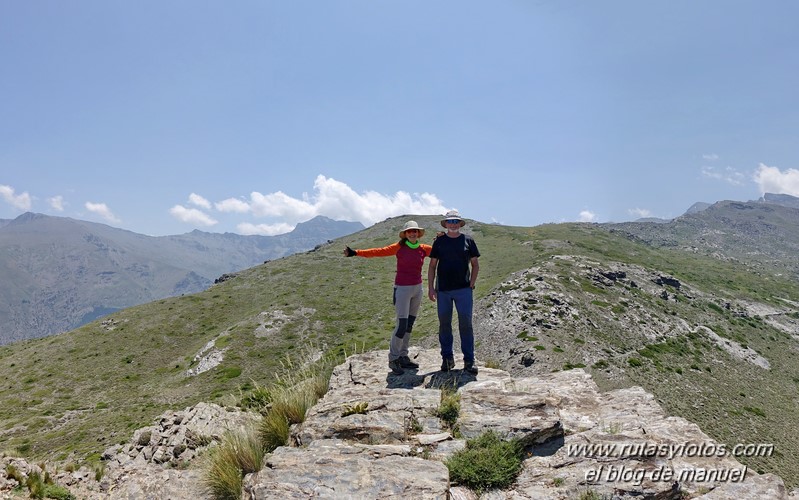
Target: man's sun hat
(411,224)
(452,215)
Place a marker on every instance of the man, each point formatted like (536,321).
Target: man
(450,281)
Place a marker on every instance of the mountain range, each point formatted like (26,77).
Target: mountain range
(60,273)
(701,311)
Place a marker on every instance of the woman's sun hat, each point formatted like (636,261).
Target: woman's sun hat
(411,224)
(452,215)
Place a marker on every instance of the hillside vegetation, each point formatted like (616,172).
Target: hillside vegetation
(60,273)
(70,396)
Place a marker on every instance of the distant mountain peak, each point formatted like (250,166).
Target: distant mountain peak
(785,200)
(698,207)
(28,217)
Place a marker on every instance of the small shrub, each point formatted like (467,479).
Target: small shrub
(755,411)
(99,470)
(412,426)
(356,409)
(635,362)
(13,473)
(144,438)
(492,363)
(257,399)
(487,462)
(35,484)
(231,372)
(57,492)
(600,365)
(240,453)
(450,407)
(40,487)
(274,431)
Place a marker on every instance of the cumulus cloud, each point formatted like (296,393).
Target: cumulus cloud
(233,205)
(192,216)
(331,198)
(774,180)
(197,200)
(337,200)
(640,212)
(710,157)
(587,216)
(102,210)
(280,205)
(56,203)
(247,228)
(20,201)
(728,174)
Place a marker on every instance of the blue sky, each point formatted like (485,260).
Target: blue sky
(161,117)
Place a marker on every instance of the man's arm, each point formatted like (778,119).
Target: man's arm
(475,271)
(431,279)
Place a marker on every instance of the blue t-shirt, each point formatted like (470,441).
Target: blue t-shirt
(454,255)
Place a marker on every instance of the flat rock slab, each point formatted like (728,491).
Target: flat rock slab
(337,469)
(512,415)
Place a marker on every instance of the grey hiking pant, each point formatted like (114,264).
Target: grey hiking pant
(407,300)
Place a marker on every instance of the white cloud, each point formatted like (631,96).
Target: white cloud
(232,205)
(280,205)
(196,199)
(20,201)
(336,200)
(330,198)
(587,216)
(192,216)
(774,180)
(710,157)
(639,212)
(728,174)
(102,210)
(264,229)
(56,203)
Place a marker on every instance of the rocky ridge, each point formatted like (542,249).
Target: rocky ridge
(578,441)
(603,309)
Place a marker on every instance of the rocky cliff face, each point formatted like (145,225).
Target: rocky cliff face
(578,441)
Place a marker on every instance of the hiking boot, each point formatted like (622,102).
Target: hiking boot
(470,367)
(447,364)
(396,368)
(405,362)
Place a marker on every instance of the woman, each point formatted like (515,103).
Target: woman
(407,289)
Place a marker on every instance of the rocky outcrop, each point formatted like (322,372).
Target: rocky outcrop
(618,444)
(158,463)
(378,435)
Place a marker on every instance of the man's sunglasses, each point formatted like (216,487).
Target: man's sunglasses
(453,221)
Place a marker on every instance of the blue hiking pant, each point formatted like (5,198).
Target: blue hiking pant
(462,299)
